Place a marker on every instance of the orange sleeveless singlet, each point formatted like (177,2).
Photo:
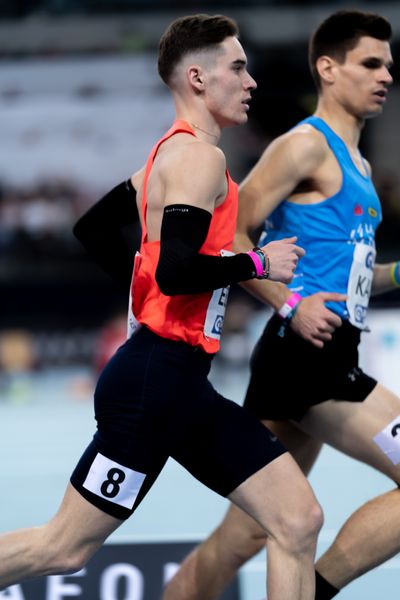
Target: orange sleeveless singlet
(196,319)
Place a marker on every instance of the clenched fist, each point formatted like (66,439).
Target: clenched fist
(283,256)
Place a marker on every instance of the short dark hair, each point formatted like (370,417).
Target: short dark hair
(189,34)
(341,32)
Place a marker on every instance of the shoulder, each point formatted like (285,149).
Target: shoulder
(192,169)
(197,150)
(304,142)
(196,157)
(291,157)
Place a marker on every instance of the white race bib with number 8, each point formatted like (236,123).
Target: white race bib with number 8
(114,482)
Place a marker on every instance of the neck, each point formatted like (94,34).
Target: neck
(192,110)
(347,126)
(213,136)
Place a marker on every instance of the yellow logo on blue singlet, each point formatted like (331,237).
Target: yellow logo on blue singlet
(372,212)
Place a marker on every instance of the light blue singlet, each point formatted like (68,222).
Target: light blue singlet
(338,235)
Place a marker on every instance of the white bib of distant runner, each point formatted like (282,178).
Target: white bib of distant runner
(216,309)
(360,283)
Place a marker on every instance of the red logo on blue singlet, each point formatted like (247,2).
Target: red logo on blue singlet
(358,209)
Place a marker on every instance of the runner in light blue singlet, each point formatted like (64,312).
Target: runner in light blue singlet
(306,383)
(338,234)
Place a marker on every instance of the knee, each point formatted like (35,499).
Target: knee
(68,561)
(65,561)
(315,519)
(60,556)
(299,529)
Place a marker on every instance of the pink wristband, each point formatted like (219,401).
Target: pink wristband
(257,263)
(289,305)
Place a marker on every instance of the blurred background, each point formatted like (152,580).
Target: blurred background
(81,105)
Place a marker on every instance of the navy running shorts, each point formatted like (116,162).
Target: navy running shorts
(153,400)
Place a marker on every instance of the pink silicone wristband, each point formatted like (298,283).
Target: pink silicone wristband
(289,305)
(257,263)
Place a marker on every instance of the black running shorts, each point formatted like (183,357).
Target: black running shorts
(289,374)
(154,400)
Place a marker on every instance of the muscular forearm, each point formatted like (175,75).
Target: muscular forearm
(386,277)
(272,293)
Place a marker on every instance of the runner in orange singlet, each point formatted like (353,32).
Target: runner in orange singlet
(153,399)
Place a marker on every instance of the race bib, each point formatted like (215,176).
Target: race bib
(133,324)
(114,482)
(360,284)
(388,441)
(216,309)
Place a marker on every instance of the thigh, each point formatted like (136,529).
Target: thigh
(136,402)
(303,447)
(238,528)
(111,484)
(221,443)
(276,495)
(352,427)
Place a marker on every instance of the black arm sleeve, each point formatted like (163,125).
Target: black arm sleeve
(100,231)
(181,269)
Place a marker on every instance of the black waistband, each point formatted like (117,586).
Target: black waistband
(145,333)
(346,331)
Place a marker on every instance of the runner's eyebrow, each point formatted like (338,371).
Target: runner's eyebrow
(239,62)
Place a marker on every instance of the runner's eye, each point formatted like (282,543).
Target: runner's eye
(372,63)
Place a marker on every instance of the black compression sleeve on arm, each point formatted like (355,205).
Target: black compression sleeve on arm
(100,231)
(181,269)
